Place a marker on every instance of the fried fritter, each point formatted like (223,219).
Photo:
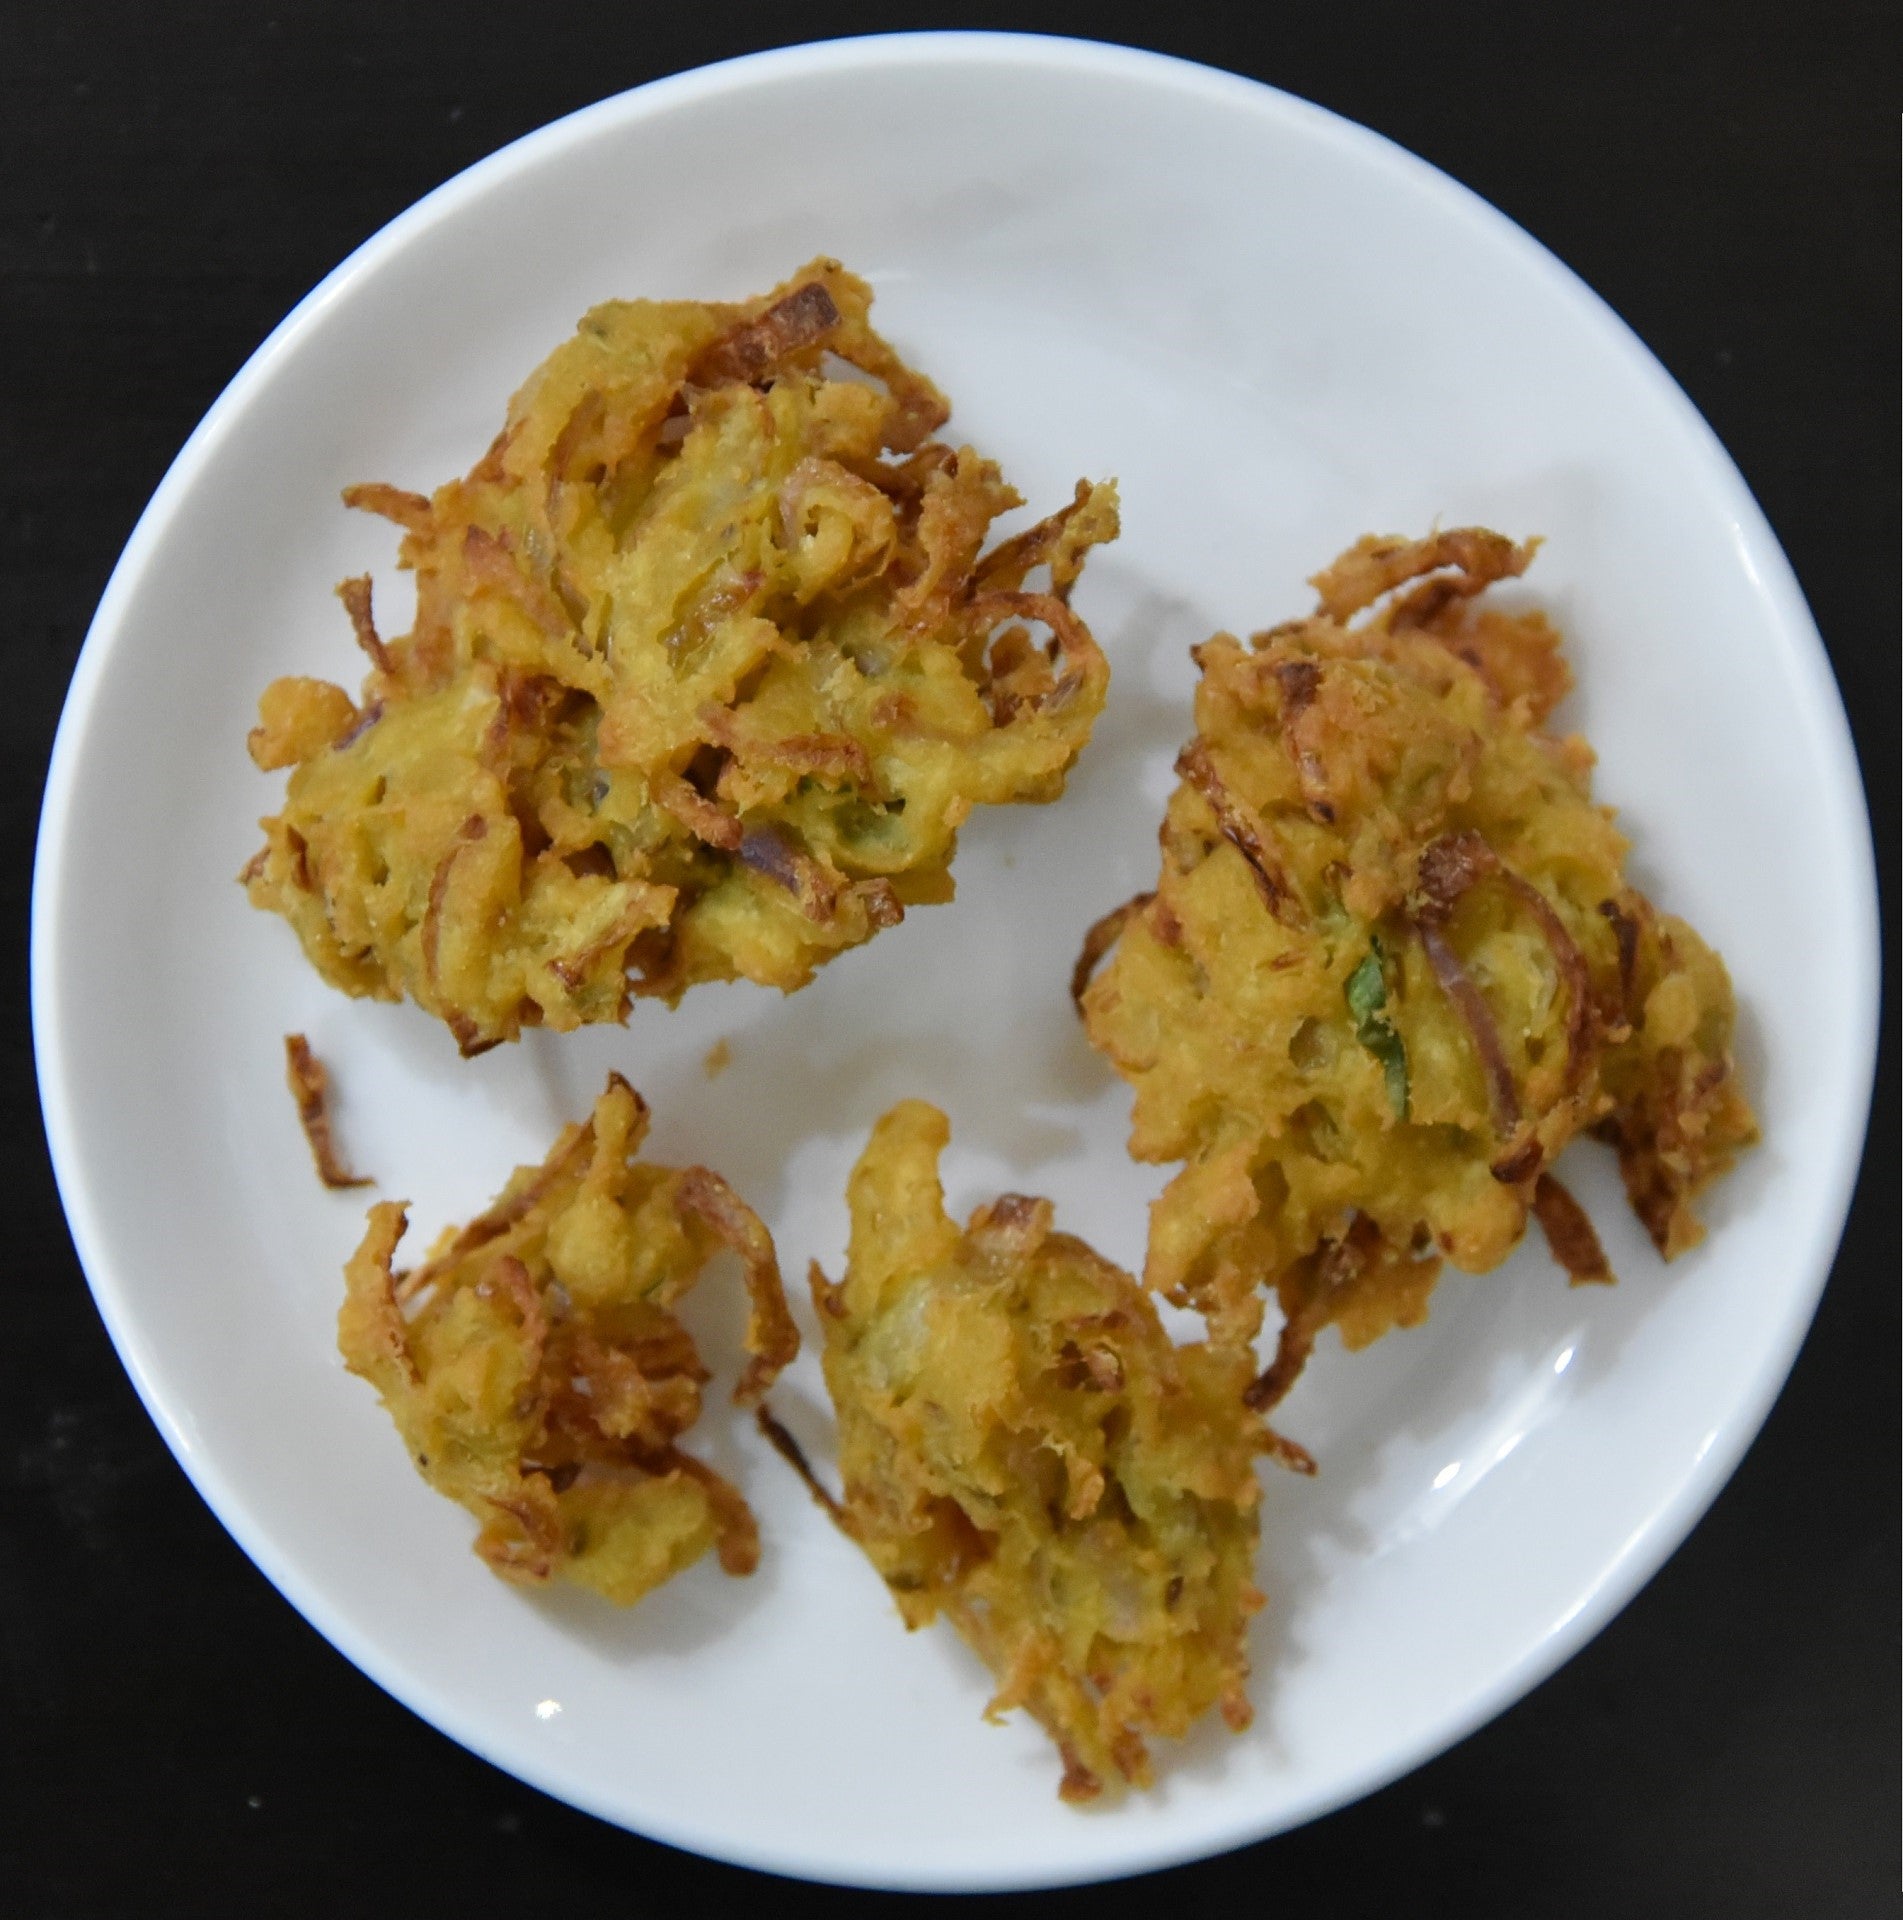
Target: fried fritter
(538,1376)
(1025,1451)
(705,675)
(1392,966)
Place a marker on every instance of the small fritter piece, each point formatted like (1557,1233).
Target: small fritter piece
(1392,966)
(309,1083)
(538,1376)
(1677,1117)
(706,672)
(1024,1451)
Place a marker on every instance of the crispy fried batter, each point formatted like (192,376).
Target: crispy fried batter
(1392,967)
(1026,1452)
(537,1373)
(310,1087)
(1677,1116)
(706,671)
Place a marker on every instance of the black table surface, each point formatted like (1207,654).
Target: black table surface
(174,1738)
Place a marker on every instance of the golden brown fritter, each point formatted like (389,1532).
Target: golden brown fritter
(707,670)
(1392,966)
(537,1373)
(1026,1452)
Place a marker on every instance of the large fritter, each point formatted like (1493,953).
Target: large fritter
(1392,966)
(538,1375)
(1025,1451)
(708,667)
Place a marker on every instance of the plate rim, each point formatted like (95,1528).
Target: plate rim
(1665,1528)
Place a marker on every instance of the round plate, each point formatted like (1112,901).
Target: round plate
(1279,332)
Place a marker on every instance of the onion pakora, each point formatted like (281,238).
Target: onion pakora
(1392,966)
(537,1373)
(1025,1451)
(707,669)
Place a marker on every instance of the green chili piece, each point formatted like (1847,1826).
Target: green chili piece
(1366,992)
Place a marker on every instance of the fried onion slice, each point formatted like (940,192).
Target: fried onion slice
(305,1075)
(536,1370)
(1099,937)
(1392,967)
(1570,1234)
(709,664)
(1025,1452)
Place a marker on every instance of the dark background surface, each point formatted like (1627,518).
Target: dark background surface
(174,1739)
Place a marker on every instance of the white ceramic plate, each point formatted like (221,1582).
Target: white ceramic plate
(1279,331)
